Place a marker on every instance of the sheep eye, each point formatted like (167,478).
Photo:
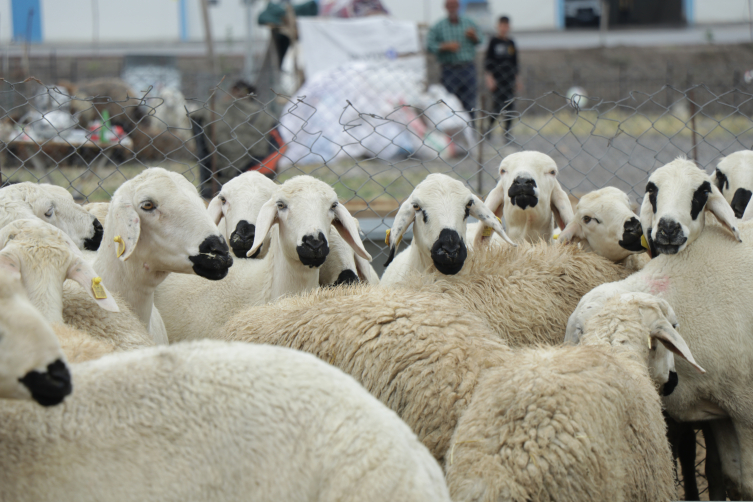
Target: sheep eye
(586,219)
(222,199)
(49,212)
(148,206)
(334,206)
(281,205)
(470,203)
(416,207)
(552,172)
(502,171)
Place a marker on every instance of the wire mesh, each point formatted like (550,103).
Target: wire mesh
(93,136)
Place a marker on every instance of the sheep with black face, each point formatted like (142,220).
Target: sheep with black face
(734,178)
(529,198)
(438,208)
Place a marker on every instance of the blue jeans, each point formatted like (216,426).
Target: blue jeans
(460,80)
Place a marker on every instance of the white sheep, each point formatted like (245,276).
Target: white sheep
(236,208)
(707,284)
(605,224)
(213,421)
(420,354)
(575,423)
(157,223)
(54,205)
(32,365)
(438,209)
(299,216)
(46,257)
(734,178)
(529,198)
(99,210)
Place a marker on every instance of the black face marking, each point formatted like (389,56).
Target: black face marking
(522,193)
(391,256)
(51,387)
(313,251)
(652,190)
(242,239)
(669,236)
(346,277)
(631,236)
(213,260)
(651,246)
(449,252)
(740,201)
(93,242)
(671,384)
(700,196)
(721,180)
(426,217)
(467,212)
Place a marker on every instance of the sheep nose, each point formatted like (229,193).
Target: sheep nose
(669,232)
(93,242)
(215,245)
(242,239)
(524,181)
(449,252)
(313,250)
(213,260)
(633,226)
(315,243)
(51,387)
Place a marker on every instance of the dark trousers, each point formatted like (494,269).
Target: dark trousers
(460,80)
(503,105)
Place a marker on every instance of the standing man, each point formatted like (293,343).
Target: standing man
(454,40)
(501,71)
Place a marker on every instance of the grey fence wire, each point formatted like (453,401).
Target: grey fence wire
(90,138)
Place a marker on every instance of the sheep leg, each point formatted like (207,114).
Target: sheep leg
(713,462)
(744,431)
(728,448)
(681,437)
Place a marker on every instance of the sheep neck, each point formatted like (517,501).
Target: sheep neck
(419,256)
(528,224)
(289,275)
(130,279)
(47,297)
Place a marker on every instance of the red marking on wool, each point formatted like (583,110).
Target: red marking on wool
(657,286)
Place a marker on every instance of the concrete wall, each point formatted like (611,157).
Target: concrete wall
(528,15)
(719,11)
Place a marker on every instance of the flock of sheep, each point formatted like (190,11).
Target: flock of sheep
(301,376)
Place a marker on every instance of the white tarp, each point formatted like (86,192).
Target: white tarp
(327,43)
(357,111)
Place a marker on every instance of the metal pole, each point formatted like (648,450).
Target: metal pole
(249,61)
(750,19)
(604,22)
(214,68)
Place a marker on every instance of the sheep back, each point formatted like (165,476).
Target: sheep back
(525,293)
(417,353)
(562,423)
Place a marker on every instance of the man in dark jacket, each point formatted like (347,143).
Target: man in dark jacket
(501,71)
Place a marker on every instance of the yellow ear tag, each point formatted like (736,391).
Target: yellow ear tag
(644,242)
(120,242)
(649,342)
(387,239)
(98,289)
(488,231)
(555,236)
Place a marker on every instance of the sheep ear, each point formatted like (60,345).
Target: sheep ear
(363,269)
(572,231)
(720,208)
(488,219)
(662,331)
(9,265)
(348,230)
(264,221)
(647,223)
(126,227)
(215,210)
(495,202)
(83,273)
(561,207)
(403,219)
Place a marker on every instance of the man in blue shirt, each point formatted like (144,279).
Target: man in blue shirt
(454,40)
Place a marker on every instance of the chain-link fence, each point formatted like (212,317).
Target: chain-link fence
(91,137)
